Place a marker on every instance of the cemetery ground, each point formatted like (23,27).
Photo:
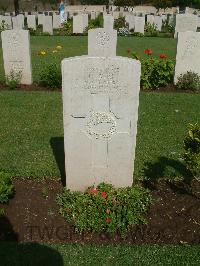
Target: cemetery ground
(31,150)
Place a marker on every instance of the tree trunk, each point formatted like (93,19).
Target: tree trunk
(16,5)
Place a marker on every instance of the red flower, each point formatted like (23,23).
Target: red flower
(103,195)
(162,56)
(108,220)
(128,50)
(94,191)
(148,51)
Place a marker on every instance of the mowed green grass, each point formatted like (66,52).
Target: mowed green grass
(32,121)
(60,255)
(76,46)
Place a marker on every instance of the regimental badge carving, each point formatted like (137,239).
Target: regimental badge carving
(101,125)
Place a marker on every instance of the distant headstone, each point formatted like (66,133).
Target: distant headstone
(48,25)
(116,14)
(21,19)
(108,22)
(7,21)
(17,23)
(130,19)
(100,105)
(93,15)
(188,53)
(56,21)
(41,19)
(102,42)
(31,22)
(139,24)
(158,22)
(80,22)
(16,54)
(150,19)
(185,23)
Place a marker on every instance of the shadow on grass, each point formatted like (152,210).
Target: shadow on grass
(57,145)
(166,168)
(14,253)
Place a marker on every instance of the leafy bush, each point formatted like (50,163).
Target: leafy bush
(119,23)
(105,208)
(13,79)
(156,73)
(192,150)
(3,26)
(50,76)
(151,29)
(137,34)
(95,23)
(6,187)
(167,27)
(189,81)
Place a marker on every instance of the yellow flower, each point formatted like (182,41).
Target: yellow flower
(59,47)
(54,51)
(42,52)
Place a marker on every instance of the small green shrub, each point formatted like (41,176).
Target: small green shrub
(119,23)
(156,73)
(105,208)
(189,81)
(2,212)
(6,187)
(137,34)
(13,80)
(50,76)
(151,29)
(95,23)
(192,150)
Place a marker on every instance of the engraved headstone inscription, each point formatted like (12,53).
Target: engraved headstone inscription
(16,54)
(188,53)
(100,110)
(102,42)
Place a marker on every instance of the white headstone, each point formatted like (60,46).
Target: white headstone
(17,23)
(48,25)
(150,19)
(158,22)
(139,24)
(93,15)
(31,22)
(188,53)
(108,22)
(130,19)
(16,54)
(41,19)
(100,105)
(102,42)
(56,21)
(185,23)
(21,19)
(80,22)
(116,14)
(7,20)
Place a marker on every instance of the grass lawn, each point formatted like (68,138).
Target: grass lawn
(31,132)
(58,255)
(75,46)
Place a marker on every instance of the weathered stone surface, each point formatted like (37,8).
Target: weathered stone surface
(17,23)
(56,21)
(130,19)
(41,19)
(100,101)
(108,22)
(80,22)
(150,19)
(158,22)
(139,24)
(31,22)
(102,42)
(7,20)
(48,25)
(185,23)
(16,54)
(188,53)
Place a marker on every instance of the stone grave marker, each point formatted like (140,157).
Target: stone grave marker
(185,23)
(158,22)
(139,24)
(17,23)
(108,22)
(48,25)
(56,21)
(102,42)
(16,54)
(100,109)
(31,22)
(80,22)
(41,19)
(188,53)
(8,21)
(150,19)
